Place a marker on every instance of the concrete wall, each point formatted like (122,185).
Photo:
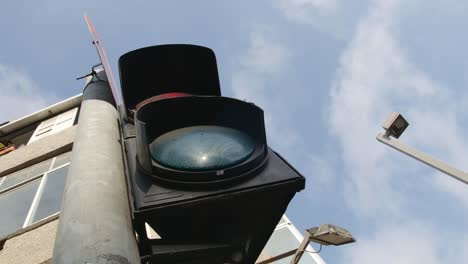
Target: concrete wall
(34,246)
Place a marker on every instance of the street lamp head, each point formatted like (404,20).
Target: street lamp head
(328,234)
(395,125)
(325,234)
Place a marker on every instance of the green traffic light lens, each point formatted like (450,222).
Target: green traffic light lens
(202,148)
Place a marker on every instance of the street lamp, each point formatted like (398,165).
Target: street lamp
(326,235)
(394,126)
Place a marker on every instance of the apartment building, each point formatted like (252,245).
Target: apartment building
(35,153)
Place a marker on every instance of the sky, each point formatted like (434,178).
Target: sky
(326,72)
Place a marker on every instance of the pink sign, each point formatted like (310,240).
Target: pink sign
(103,57)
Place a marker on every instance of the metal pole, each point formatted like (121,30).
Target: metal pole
(95,222)
(300,250)
(277,257)
(424,158)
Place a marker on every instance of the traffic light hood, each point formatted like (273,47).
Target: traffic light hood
(162,69)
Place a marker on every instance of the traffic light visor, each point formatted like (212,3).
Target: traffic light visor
(161,69)
(203,139)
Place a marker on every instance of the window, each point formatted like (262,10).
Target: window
(32,194)
(54,125)
(25,174)
(15,207)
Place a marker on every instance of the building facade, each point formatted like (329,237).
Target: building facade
(35,153)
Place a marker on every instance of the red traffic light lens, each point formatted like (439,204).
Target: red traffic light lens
(202,148)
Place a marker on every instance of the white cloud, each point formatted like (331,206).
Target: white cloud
(336,18)
(307,11)
(322,169)
(19,94)
(405,243)
(266,54)
(373,72)
(265,58)
(375,78)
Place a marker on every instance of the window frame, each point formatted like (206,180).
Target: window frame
(39,192)
(2,180)
(42,177)
(47,128)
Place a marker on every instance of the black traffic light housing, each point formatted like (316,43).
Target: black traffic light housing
(216,215)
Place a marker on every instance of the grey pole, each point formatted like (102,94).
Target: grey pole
(300,250)
(424,158)
(95,222)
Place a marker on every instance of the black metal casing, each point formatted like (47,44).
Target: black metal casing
(242,215)
(156,70)
(209,221)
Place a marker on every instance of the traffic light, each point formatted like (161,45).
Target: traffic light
(200,171)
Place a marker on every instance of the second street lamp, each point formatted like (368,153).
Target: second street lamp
(394,127)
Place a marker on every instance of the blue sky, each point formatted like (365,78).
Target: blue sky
(326,72)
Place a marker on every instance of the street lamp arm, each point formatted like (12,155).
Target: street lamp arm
(424,158)
(278,257)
